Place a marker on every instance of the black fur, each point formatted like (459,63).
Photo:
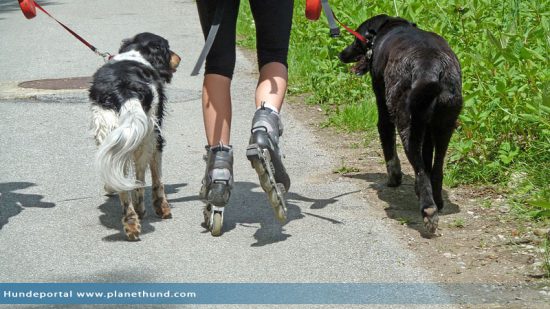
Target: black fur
(128,107)
(118,81)
(416,78)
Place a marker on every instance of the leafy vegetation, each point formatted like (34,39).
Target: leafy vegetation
(458,223)
(504,133)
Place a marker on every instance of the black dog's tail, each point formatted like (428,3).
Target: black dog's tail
(422,98)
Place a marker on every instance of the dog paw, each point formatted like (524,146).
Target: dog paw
(394,180)
(162,208)
(132,229)
(431,219)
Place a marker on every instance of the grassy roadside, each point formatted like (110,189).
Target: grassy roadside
(503,46)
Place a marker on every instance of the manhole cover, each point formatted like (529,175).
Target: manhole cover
(59,83)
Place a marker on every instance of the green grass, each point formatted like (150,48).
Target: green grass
(458,223)
(503,46)
(345,170)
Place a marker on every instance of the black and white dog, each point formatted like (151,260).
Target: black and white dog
(128,106)
(416,78)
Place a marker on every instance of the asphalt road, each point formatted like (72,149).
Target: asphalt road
(57,226)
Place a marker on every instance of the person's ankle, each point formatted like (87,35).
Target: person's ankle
(271,107)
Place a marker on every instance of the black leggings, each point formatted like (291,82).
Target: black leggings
(273,19)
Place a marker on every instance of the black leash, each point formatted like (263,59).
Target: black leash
(218,15)
(334,30)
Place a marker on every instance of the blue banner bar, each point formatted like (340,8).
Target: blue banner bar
(248,293)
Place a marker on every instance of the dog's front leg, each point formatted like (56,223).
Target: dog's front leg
(441,145)
(160,203)
(130,219)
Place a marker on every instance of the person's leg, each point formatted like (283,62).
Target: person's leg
(272,85)
(273,20)
(216,105)
(216,109)
(220,63)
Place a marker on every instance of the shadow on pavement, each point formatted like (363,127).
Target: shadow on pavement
(112,213)
(248,215)
(245,213)
(402,201)
(172,189)
(319,203)
(11,203)
(132,275)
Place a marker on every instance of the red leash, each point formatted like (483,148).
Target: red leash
(29,10)
(348,29)
(313,11)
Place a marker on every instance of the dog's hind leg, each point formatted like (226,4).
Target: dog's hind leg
(428,150)
(386,130)
(130,219)
(160,203)
(138,194)
(423,187)
(420,102)
(441,143)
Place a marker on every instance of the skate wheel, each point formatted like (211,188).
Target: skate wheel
(274,198)
(265,183)
(216,224)
(262,175)
(278,203)
(280,214)
(258,166)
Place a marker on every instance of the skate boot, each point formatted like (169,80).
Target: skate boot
(216,185)
(265,156)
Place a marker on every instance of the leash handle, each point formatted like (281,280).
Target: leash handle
(105,56)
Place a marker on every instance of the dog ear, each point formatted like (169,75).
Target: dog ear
(124,45)
(376,23)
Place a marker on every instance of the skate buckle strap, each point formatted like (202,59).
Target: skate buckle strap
(219,147)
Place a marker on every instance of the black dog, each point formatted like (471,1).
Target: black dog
(416,78)
(128,100)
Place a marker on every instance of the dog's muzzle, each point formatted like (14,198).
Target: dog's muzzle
(174,61)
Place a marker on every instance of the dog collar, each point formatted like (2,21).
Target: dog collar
(131,56)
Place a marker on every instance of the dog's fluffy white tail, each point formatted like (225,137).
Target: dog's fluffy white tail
(114,156)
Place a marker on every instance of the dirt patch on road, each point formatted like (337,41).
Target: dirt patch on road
(480,239)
